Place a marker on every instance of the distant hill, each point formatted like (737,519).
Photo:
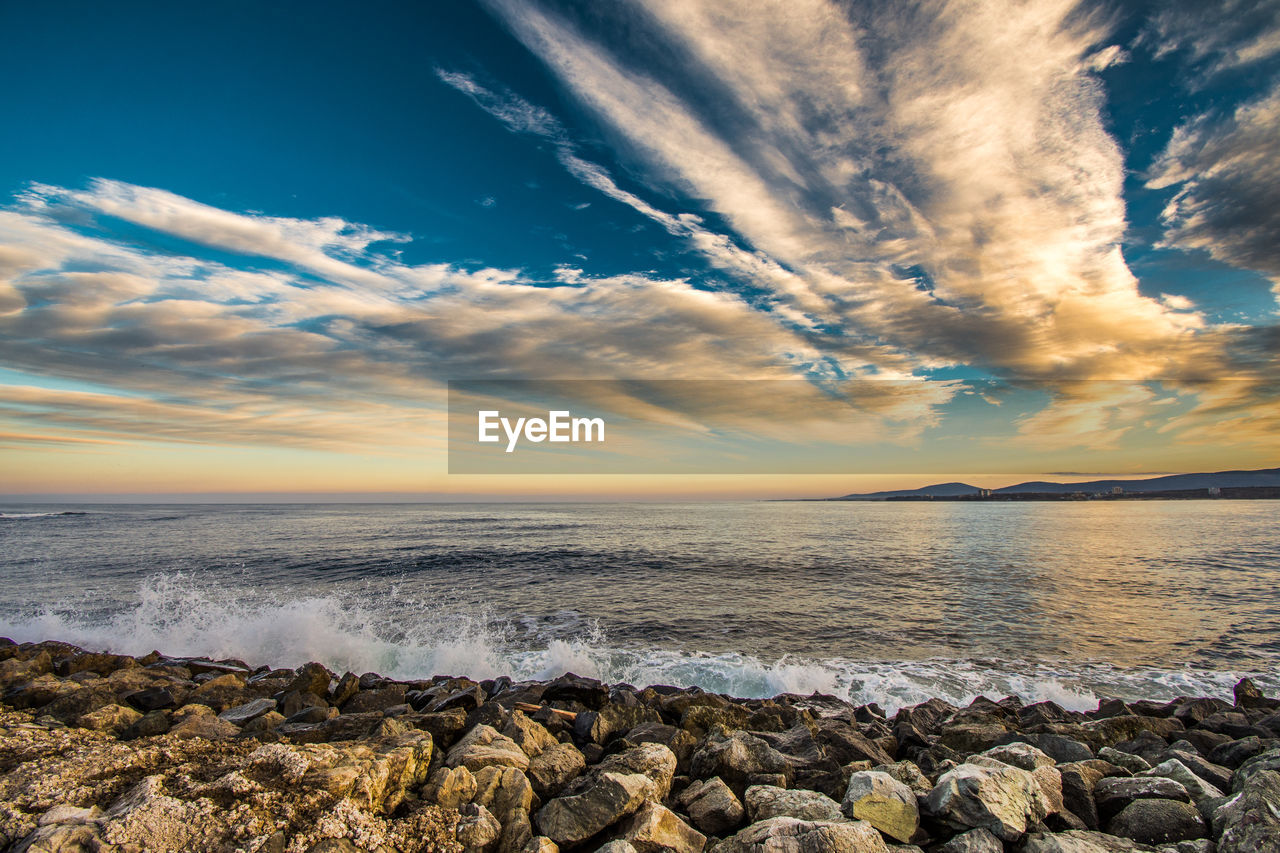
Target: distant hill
(1219,479)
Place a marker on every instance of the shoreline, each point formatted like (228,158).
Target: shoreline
(195,754)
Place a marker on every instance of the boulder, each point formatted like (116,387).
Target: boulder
(1078,780)
(450,787)
(608,799)
(530,736)
(1263,761)
(791,835)
(205,726)
(477,829)
(540,844)
(677,740)
(1215,774)
(554,767)
(739,759)
(375,700)
(113,719)
(151,699)
(908,774)
(484,746)
(884,802)
(657,829)
(1021,755)
(1081,841)
(652,760)
(347,686)
(242,714)
(1112,795)
(572,688)
(610,721)
(502,790)
(712,806)
(1132,763)
(311,678)
(1002,799)
(766,801)
(1250,820)
(222,692)
(973,841)
(1202,793)
(1158,822)
(1058,747)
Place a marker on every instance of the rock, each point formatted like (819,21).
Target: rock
(114,719)
(555,767)
(1250,820)
(616,846)
(502,790)
(652,760)
(1021,755)
(973,841)
(450,787)
(1263,761)
(969,738)
(571,688)
(1081,841)
(483,746)
(1060,748)
(222,692)
(1158,821)
(884,802)
(610,721)
(478,829)
(1247,695)
(311,678)
(712,806)
(205,726)
(151,699)
(1234,753)
(540,844)
(1202,793)
(790,835)
(347,686)
(148,725)
(737,758)
(530,736)
(907,773)
(375,700)
(609,798)
(1112,795)
(1002,799)
(657,829)
(267,722)
(1216,775)
(766,801)
(517,831)
(679,741)
(1130,762)
(242,714)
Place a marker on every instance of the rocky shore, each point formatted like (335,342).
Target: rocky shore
(103,752)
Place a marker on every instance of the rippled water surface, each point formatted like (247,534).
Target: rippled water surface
(893,601)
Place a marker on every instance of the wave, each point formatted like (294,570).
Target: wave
(24,515)
(177,615)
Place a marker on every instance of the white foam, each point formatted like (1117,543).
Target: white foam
(177,615)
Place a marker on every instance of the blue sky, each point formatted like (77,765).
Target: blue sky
(274,231)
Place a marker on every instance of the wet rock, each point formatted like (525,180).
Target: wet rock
(790,835)
(1234,753)
(766,801)
(737,758)
(1002,799)
(346,687)
(609,798)
(312,714)
(478,829)
(1158,822)
(1250,820)
(657,829)
(572,688)
(712,806)
(1114,730)
(968,738)
(242,714)
(1060,748)
(1269,760)
(1247,695)
(554,767)
(484,746)
(375,700)
(1192,711)
(311,678)
(884,802)
(222,692)
(973,841)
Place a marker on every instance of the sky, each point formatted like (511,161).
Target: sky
(245,247)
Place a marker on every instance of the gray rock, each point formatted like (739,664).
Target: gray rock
(1215,774)
(1158,822)
(1130,762)
(657,829)
(712,806)
(1020,755)
(973,841)
(766,801)
(554,767)
(789,835)
(738,759)
(610,721)
(609,798)
(484,746)
(908,774)
(242,714)
(1081,841)
(1002,799)
(478,828)
(884,802)
(1250,820)
(1269,760)
(1058,747)
(1113,794)
(1078,780)
(652,760)
(616,846)
(1202,793)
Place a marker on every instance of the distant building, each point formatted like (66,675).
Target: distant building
(1117,490)
(1215,492)
(984,493)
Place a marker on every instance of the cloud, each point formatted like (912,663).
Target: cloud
(1226,169)
(854,154)
(1219,38)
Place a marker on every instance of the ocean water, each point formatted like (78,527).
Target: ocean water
(887,602)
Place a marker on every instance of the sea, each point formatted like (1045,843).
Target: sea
(891,602)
